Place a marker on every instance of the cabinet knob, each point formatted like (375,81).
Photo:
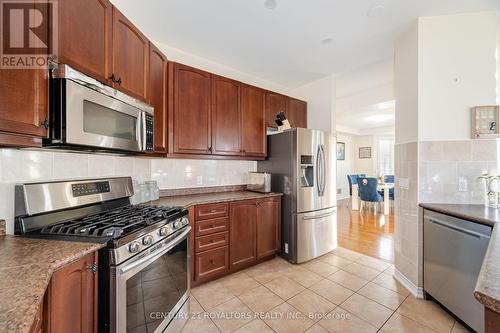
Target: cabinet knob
(93,267)
(46,123)
(210,149)
(211,262)
(119,81)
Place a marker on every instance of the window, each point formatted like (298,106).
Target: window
(386,157)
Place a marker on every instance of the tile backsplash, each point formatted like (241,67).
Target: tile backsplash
(17,166)
(449,170)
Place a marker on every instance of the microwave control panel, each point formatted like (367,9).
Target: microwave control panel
(149,133)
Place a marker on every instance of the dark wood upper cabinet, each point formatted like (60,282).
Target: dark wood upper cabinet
(226,116)
(158,96)
(192,107)
(297,113)
(71,298)
(23,102)
(274,103)
(130,64)
(85,36)
(242,228)
(253,131)
(268,227)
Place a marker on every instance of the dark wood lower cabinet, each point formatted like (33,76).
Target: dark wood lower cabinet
(70,303)
(242,227)
(228,237)
(268,227)
(212,263)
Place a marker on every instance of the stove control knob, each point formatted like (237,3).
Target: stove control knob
(134,247)
(163,231)
(147,240)
(185,221)
(177,224)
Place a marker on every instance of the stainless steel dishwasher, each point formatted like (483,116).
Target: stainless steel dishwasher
(453,254)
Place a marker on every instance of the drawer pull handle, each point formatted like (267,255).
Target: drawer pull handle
(213,211)
(211,261)
(210,226)
(212,241)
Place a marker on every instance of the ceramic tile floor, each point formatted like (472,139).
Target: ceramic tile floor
(340,292)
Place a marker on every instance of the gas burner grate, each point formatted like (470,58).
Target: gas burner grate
(114,223)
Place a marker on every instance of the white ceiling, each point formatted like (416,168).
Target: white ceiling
(284,45)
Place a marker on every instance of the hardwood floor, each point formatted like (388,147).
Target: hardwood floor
(366,232)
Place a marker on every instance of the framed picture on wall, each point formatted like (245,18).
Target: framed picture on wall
(365,152)
(340,151)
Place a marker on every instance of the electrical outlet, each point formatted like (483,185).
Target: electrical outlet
(286,247)
(462,184)
(199,180)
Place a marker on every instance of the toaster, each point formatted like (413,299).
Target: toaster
(259,182)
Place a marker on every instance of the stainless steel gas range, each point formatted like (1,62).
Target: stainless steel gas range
(143,270)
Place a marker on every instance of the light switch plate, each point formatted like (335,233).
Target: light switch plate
(404,183)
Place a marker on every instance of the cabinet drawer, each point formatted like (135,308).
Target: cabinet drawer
(211,241)
(212,263)
(212,226)
(211,211)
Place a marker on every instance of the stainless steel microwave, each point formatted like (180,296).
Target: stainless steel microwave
(88,115)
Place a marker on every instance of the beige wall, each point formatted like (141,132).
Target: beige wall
(443,66)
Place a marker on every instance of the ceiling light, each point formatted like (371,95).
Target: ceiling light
(270,4)
(327,40)
(375,10)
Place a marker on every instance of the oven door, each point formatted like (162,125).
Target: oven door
(152,287)
(97,120)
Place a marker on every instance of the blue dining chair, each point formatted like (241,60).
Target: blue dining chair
(353,179)
(389,179)
(368,192)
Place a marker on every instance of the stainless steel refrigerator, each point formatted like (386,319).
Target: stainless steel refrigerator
(302,165)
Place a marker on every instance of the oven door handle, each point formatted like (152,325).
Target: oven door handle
(152,256)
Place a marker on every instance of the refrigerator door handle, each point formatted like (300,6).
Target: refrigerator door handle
(316,217)
(318,170)
(323,170)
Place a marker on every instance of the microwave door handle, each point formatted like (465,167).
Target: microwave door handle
(144,132)
(138,130)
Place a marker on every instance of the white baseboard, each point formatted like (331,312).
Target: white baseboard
(418,292)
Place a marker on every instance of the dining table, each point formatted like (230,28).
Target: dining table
(385,187)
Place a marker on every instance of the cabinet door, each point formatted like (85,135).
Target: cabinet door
(226,119)
(297,113)
(211,264)
(268,227)
(274,103)
(23,101)
(85,36)
(192,110)
(242,233)
(130,57)
(72,298)
(158,96)
(253,121)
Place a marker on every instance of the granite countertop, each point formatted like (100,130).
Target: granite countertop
(487,289)
(206,198)
(26,266)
